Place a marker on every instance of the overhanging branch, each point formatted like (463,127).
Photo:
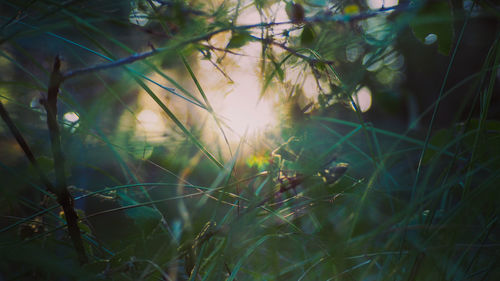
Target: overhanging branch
(341,18)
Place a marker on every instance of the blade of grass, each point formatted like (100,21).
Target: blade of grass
(402,137)
(245,256)
(209,106)
(493,55)
(269,78)
(172,116)
(438,100)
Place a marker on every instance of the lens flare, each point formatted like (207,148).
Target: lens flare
(243,111)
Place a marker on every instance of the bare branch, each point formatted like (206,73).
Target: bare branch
(116,63)
(25,147)
(293,52)
(50,105)
(64,198)
(207,36)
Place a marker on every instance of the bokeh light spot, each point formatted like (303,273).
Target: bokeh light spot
(150,125)
(243,112)
(363,99)
(71,117)
(377,4)
(430,39)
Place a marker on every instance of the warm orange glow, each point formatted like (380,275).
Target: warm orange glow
(148,118)
(242,110)
(363,99)
(236,101)
(150,125)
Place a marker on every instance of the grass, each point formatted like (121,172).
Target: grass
(409,207)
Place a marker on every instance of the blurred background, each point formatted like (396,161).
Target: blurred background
(250,95)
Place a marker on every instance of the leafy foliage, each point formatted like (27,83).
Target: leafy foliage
(162,184)
(435,18)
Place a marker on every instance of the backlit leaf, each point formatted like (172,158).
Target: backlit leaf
(239,39)
(307,36)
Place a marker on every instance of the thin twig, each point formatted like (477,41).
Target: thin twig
(64,198)
(294,52)
(116,63)
(207,36)
(225,50)
(50,105)
(26,149)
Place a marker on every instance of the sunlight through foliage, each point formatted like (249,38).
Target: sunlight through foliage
(249,140)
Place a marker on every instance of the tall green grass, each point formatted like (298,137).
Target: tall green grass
(412,205)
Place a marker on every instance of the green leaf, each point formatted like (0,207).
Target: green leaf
(239,39)
(81,225)
(439,140)
(172,116)
(435,18)
(308,35)
(277,70)
(289,9)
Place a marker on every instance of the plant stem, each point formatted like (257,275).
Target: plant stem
(24,146)
(64,198)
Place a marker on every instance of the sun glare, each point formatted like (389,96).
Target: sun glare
(363,99)
(71,117)
(236,99)
(242,110)
(150,125)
